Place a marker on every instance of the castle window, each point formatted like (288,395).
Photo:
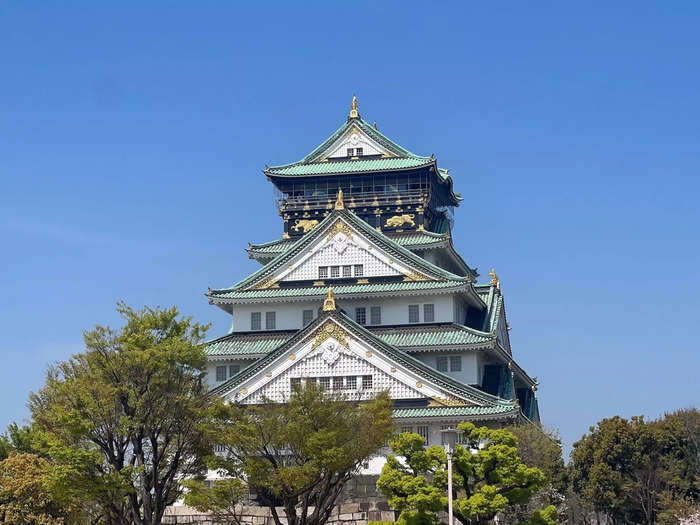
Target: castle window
(295,382)
(424,432)
(358,152)
(324,382)
(359,270)
(337,383)
(221,373)
(428,313)
(335,272)
(375,315)
(441,362)
(323,272)
(270,320)
(255,321)
(347,271)
(361,315)
(406,430)
(413,313)
(307,316)
(351,383)
(366,382)
(350,152)
(455,363)
(233,370)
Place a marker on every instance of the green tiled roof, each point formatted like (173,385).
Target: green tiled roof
(408,240)
(429,336)
(446,335)
(340,290)
(407,413)
(246,344)
(403,159)
(350,166)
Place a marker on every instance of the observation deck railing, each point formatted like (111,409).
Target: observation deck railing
(357,200)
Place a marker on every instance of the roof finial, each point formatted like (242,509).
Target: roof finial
(339,204)
(329,303)
(353,107)
(494,278)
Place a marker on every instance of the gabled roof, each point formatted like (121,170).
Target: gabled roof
(428,337)
(465,392)
(393,158)
(430,275)
(415,240)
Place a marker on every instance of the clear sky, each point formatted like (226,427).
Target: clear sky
(132,141)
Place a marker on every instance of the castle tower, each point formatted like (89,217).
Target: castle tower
(364,292)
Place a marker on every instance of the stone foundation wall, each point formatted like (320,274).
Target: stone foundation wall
(345,514)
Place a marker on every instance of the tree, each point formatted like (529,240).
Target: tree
(297,455)
(635,471)
(488,478)
(122,420)
(27,496)
(17,439)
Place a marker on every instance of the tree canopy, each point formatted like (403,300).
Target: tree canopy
(296,455)
(122,420)
(635,471)
(488,478)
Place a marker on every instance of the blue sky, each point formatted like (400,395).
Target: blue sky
(132,140)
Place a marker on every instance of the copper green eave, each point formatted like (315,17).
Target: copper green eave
(411,339)
(465,392)
(441,279)
(402,159)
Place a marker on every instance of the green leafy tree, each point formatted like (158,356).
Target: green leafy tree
(122,420)
(635,471)
(17,439)
(296,455)
(27,493)
(488,478)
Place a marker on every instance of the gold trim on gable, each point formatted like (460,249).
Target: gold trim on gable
(330,329)
(339,227)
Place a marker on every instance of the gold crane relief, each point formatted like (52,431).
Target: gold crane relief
(305,224)
(400,220)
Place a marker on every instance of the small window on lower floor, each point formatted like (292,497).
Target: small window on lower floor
(295,382)
(337,383)
(413,313)
(424,432)
(428,313)
(233,370)
(375,315)
(255,320)
(335,272)
(351,383)
(441,363)
(221,373)
(455,363)
(323,272)
(366,382)
(324,382)
(270,320)
(406,430)
(359,270)
(347,271)
(361,315)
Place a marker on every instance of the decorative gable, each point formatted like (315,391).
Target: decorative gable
(337,359)
(347,146)
(343,248)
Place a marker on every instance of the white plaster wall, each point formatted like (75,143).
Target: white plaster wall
(394,311)
(472,366)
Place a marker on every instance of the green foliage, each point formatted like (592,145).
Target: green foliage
(637,471)
(488,477)
(17,439)
(547,516)
(27,493)
(217,499)
(121,421)
(295,454)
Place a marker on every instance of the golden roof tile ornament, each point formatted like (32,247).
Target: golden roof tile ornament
(353,107)
(494,279)
(339,204)
(329,302)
